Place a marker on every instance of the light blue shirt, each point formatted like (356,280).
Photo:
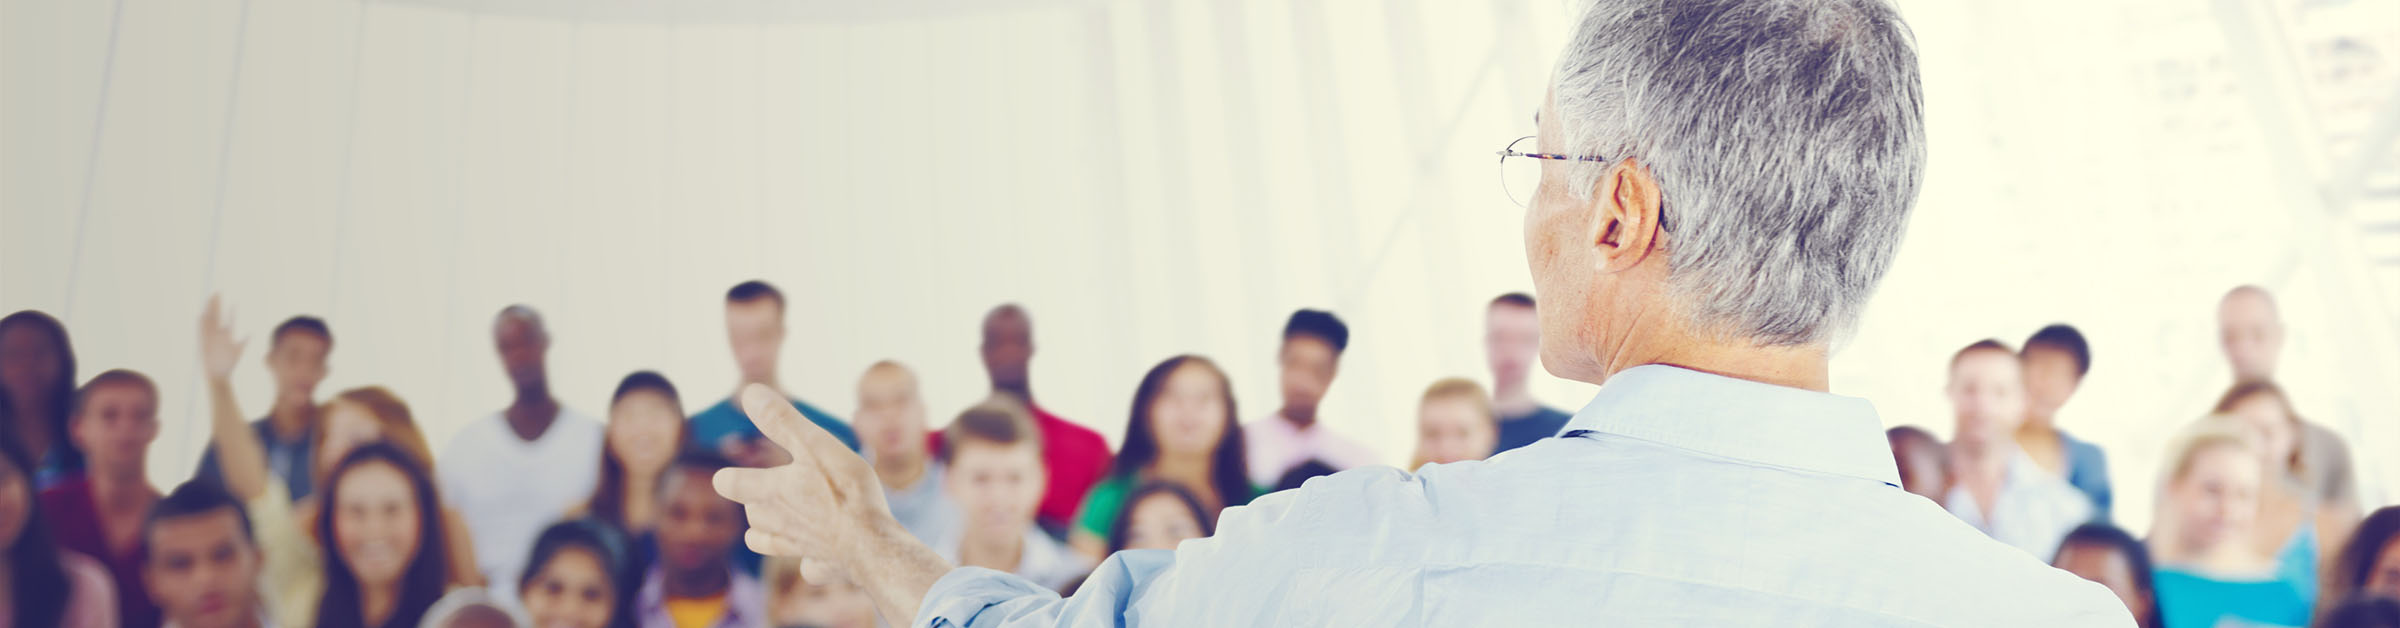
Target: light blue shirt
(1676,498)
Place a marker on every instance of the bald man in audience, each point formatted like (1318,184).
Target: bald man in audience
(891,424)
(2250,329)
(1996,487)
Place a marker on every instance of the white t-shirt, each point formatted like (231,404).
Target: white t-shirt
(508,489)
(1276,446)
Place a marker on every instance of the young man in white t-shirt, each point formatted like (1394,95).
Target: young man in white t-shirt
(515,471)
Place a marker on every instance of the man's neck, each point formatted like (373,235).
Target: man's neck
(1023,391)
(709,581)
(1671,343)
(294,413)
(2037,427)
(532,413)
(1982,463)
(1511,398)
(992,551)
(1293,417)
(900,472)
(120,490)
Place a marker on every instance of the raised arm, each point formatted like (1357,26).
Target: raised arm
(240,457)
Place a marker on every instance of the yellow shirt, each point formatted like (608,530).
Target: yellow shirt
(696,612)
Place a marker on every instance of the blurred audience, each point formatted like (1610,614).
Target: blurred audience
(471,607)
(2363,612)
(1923,460)
(1182,429)
(382,537)
(2294,520)
(891,423)
(2250,330)
(99,512)
(577,577)
(645,432)
(2108,555)
(795,601)
(1313,342)
(1512,345)
(515,471)
(203,565)
(995,475)
(1996,487)
(2056,359)
(37,390)
(2209,571)
(297,353)
(1454,423)
(44,584)
(695,583)
(754,313)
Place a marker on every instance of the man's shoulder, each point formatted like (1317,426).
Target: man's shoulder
(1058,430)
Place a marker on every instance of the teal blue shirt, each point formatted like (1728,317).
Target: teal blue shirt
(711,426)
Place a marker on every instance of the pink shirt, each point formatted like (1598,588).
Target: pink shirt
(1276,445)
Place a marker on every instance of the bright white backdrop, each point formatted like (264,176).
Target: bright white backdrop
(1148,178)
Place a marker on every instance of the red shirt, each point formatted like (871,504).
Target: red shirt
(75,521)
(1077,459)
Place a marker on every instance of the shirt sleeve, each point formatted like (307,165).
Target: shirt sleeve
(1100,507)
(975,597)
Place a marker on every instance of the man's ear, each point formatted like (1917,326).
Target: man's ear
(1625,215)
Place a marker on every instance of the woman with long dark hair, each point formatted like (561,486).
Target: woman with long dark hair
(44,585)
(37,392)
(645,432)
(382,538)
(1182,429)
(2110,556)
(2369,564)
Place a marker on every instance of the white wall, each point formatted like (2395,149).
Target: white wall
(1147,178)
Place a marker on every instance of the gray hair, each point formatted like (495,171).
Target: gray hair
(1786,137)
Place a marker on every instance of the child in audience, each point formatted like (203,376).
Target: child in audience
(995,475)
(2209,569)
(1455,423)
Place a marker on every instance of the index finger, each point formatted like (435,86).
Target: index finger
(780,422)
(744,486)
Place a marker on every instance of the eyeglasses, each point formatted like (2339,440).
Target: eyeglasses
(1523,176)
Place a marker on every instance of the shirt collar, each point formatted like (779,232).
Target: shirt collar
(743,595)
(1740,419)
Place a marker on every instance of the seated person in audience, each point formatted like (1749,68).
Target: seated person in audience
(37,394)
(1313,342)
(794,601)
(1996,487)
(575,577)
(994,455)
(2108,555)
(296,355)
(381,535)
(2294,523)
(99,513)
(470,607)
(2250,330)
(2056,359)
(203,564)
(2208,569)
(1454,423)
(891,423)
(2369,564)
(515,471)
(1923,460)
(754,312)
(695,583)
(44,584)
(1159,515)
(1182,430)
(645,432)
(1512,344)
